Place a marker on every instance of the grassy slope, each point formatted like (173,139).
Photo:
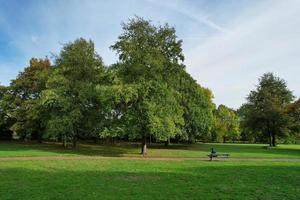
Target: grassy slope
(127,179)
(198,150)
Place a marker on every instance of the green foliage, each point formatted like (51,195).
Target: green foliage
(115,100)
(147,52)
(2,111)
(247,134)
(5,121)
(266,108)
(226,124)
(138,110)
(20,99)
(69,99)
(293,111)
(170,103)
(156,112)
(197,105)
(147,93)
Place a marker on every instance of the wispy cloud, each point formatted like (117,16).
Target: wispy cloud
(227,48)
(263,40)
(182,8)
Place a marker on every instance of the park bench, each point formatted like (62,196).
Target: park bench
(218,155)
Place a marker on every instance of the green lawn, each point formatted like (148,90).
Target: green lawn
(129,179)
(175,150)
(149,179)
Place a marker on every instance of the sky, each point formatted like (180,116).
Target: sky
(228,44)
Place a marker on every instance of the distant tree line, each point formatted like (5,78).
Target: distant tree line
(147,95)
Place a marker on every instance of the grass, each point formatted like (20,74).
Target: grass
(149,179)
(132,179)
(8,149)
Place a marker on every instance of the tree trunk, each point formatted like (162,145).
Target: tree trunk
(270,139)
(74,141)
(144,146)
(273,140)
(75,138)
(191,139)
(167,142)
(39,136)
(64,140)
(96,140)
(224,139)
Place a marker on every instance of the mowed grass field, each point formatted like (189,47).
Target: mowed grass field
(262,178)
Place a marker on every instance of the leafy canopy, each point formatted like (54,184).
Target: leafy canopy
(266,108)
(69,98)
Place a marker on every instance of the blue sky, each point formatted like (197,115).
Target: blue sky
(228,44)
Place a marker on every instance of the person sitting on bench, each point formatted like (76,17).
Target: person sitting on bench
(213,153)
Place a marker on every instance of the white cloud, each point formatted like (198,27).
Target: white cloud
(230,63)
(226,49)
(186,10)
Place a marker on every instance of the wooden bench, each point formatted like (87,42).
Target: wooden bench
(218,155)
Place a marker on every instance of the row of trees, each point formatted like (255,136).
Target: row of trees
(146,95)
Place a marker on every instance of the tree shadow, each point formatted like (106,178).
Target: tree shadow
(254,149)
(52,149)
(133,149)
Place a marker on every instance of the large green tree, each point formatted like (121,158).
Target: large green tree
(266,108)
(146,93)
(22,96)
(147,56)
(170,102)
(69,99)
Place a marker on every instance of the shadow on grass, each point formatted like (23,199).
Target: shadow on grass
(254,149)
(23,148)
(133,149)
(119,180)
